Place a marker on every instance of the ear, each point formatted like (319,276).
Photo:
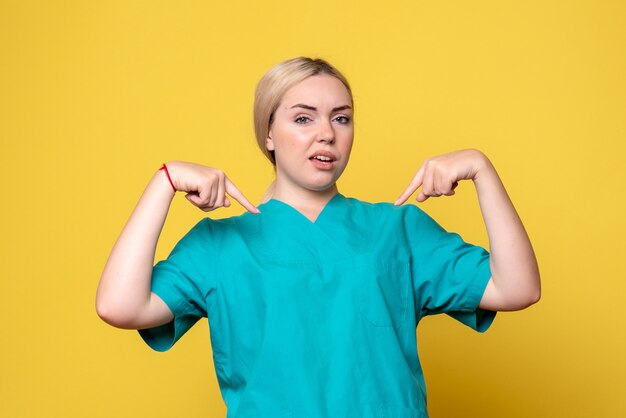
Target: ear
(269,142)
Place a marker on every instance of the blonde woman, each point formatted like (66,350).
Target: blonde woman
(313,298)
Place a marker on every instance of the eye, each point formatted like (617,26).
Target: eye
(342,119)
(302,120)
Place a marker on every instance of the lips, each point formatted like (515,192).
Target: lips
(323,160)
(323,156)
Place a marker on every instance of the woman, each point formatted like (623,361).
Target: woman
(313,298)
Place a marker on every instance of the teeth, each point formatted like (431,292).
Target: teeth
(322,158)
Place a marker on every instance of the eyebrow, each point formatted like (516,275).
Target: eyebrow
(308,107)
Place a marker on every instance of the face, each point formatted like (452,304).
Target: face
(311,134)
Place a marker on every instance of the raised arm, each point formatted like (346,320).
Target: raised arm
(124,298)
(515,282)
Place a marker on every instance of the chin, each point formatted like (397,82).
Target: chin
(320,187)
(322,181)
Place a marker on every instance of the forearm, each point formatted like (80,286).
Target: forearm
(124,288)
(515,274)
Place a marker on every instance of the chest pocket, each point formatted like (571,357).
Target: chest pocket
(382,290)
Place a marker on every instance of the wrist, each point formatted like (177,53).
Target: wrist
(483,166)
(166,173)
(161,183)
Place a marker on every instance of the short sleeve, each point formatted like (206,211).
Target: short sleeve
(185,281)
(449,274)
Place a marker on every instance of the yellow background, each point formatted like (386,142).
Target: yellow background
(94,96)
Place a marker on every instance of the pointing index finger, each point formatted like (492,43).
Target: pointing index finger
(233,191)
(412,187)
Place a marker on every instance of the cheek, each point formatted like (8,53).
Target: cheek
(349,147)
(291,138)
(348,139)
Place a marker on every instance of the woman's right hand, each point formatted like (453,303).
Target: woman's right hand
(207,188)
(124,298)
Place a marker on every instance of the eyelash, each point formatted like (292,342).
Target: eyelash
(304,119)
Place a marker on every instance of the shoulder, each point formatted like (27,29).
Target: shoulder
(208,230)
(223,229)
(387,212)
(406,222)
(372,207)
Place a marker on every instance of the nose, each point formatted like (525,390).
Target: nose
(326,133)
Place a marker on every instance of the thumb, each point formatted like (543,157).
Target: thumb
(193,198)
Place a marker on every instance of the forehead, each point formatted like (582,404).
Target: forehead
(318,90)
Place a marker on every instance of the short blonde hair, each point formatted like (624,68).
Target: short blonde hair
(275,83)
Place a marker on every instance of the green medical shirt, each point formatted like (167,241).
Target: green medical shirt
(318,319)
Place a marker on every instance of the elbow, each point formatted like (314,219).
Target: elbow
(113,315)
(519,302)
(536,296)
(104,312)
(107,314)
(529,297)
(520,295)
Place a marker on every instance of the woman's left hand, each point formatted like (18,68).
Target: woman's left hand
(515,283)
(440,175)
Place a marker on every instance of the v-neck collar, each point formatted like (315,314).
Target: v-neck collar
(290,236)
(279,205)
